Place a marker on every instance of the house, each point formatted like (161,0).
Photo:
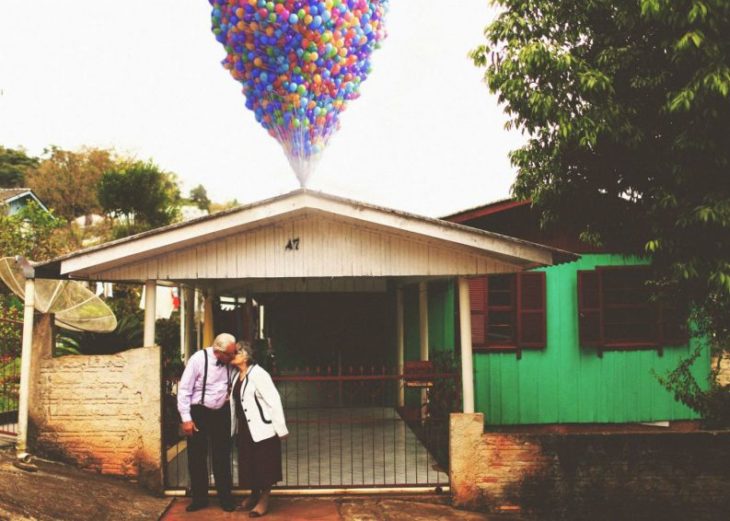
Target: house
(576,344)
(14,199)
(346,295)
(350,295)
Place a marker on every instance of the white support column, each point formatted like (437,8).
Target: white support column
(423,329)
(26,353)
(150,307)
(400,341)
(183,316)
(189,307)
(198,319)
(467,363)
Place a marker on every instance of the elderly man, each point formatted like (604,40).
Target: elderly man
(202,400)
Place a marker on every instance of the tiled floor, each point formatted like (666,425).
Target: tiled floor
(342,447)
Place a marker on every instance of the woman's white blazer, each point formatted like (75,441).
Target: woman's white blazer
(261,404)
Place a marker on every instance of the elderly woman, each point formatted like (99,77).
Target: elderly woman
(258,417)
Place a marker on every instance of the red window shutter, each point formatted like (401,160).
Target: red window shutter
(589,307)
(478,304)
(531,315)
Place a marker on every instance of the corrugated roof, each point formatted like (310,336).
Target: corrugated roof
(485,209)
(10,193)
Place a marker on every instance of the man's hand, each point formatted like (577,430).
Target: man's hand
(189,428)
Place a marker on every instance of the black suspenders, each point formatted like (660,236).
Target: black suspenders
(205,378)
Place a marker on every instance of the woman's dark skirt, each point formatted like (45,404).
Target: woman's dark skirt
(259,464)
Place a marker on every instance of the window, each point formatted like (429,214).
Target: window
(615,311)
(508,311)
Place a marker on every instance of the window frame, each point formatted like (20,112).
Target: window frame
(658,338)
(480,308)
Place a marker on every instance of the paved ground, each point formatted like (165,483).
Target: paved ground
(415,508)
(57,492)
(339,447)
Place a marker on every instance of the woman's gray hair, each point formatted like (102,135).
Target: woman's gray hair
(222,341)
(246,349)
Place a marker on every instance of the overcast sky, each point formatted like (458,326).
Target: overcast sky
(144,77)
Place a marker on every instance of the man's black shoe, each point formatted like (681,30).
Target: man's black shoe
(196,505)
(228,505)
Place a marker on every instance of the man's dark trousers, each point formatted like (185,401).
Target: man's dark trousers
(213,425)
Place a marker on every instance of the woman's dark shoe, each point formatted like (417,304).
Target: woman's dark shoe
(196,505)
(250,502)
(253,513)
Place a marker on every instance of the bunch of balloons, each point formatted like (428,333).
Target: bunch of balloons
(300,62)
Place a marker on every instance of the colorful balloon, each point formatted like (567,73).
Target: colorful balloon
(300,62)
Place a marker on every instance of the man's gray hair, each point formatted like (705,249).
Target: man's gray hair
(222,341)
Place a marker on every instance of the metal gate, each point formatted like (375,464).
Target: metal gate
(347,430)
(11,331)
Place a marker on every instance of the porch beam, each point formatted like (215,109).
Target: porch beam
(400,341)
(150,315)
(25,364)
(208,329)
(467,363)
(423,330)
(188,306)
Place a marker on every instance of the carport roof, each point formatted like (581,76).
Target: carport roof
(171,238)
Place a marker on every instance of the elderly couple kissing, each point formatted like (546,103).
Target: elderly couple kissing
(224,393)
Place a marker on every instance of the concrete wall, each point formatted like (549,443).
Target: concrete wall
(596,476)
(101,413)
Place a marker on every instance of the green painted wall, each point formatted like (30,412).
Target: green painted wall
(562,383)
(566,384)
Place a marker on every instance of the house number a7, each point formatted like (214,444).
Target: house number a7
(292,244)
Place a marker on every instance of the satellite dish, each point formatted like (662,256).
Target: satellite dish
(75,307)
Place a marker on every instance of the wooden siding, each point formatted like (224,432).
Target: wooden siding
(561,383)
(327,247)
(564,383)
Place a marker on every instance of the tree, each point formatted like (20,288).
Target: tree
(30,233)
(14,163)
(199,196)
(141,193)
(67,181)
(626,107)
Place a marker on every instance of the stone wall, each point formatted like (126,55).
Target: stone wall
(722,364)
(594,476)
(101,413)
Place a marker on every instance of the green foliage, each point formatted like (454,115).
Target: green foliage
(11,331)
(199,196)
(713,404)
(14,163)
(129,331)
(29,232)
(66,345)
(141,193)
(626,106)
(167,336)
(11,336)
(67,181)
(445,395)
